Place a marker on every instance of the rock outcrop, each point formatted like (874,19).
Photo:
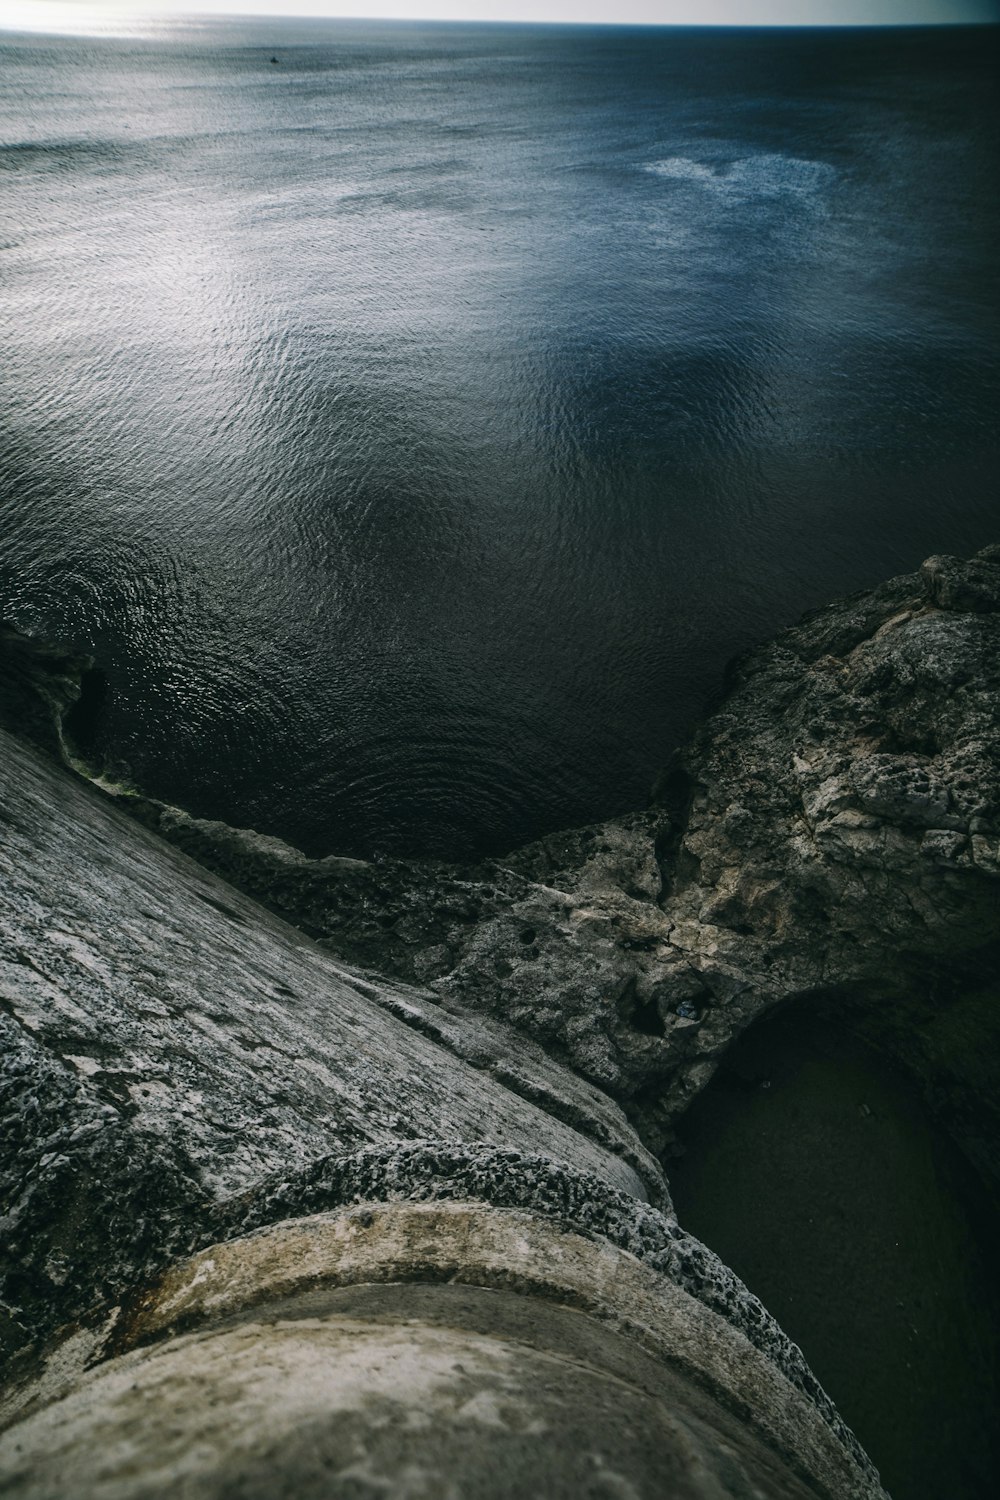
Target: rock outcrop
(195,1094)
(167,1045)
(830,835)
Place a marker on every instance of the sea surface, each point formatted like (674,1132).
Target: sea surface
(412,419)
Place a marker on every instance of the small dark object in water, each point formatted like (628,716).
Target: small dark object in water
(274,59)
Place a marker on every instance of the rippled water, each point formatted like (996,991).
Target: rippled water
(414,426)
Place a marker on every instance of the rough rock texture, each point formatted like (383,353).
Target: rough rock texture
(831,833)
(423,1349)
(563,941)
(165,1044)
(841,841)
(179,1068)
(441,1172)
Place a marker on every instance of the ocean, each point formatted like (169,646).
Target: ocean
(413,419)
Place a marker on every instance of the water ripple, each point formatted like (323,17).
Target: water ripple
(413,430)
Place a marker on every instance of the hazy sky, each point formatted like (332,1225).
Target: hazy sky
(67,14)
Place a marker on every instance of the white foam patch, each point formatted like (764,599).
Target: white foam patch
(765,175)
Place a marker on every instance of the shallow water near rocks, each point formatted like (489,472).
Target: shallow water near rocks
(810,1168)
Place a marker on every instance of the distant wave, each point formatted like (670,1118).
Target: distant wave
(767,175)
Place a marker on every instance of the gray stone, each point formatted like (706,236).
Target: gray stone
(831,833)
(423,1350)
(167,1044)
(182,1070)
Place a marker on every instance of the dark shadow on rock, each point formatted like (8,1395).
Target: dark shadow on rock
(812,1167)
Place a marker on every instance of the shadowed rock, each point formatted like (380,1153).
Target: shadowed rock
(182,1071)
(831,833)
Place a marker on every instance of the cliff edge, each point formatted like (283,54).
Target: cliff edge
(216,1120)
(830,836)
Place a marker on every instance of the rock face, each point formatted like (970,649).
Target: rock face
(183,1074)
(831,834)
(167,1045)
(419,1350)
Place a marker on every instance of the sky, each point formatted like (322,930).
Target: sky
(72,15)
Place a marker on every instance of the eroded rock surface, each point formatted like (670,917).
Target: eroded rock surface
(421,1349)
(831,833)
(166,1044)
(179,1068)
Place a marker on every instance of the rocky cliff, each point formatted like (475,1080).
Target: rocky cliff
(830,835)
(204,1117)
(509,1045)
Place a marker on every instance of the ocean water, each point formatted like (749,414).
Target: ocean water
(413,426)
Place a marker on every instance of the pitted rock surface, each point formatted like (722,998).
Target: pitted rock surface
(180,1065)
(831,833)
(166,1044)
(438,1171)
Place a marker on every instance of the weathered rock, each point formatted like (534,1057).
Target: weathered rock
(422,1349)
(167,1044)
(183,1069)
(572,958)
(831,833)
(179,1067)
(841,831)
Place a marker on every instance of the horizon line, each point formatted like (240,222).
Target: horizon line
(153,17)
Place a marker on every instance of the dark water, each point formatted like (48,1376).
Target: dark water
(415,426)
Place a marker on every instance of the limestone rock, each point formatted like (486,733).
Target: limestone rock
(831,832)
(422,1349)
(166,1044)
(179,1068)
